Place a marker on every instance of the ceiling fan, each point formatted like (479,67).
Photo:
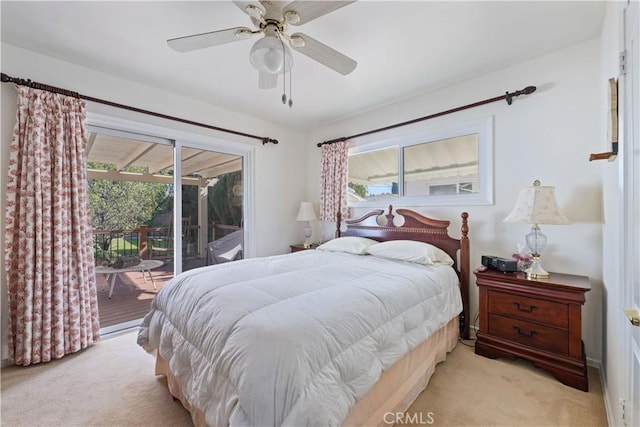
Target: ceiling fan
(270,55)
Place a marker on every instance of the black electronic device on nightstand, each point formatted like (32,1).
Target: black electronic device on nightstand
(501,264)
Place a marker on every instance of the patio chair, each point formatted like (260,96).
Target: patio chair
(225,249)
(164,250)
(162,244)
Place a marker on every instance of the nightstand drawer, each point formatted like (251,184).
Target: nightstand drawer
(538,336)
(541,311)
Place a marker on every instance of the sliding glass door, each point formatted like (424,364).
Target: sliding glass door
(145,231)
(211,206)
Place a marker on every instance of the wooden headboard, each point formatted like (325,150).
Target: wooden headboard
(423,229)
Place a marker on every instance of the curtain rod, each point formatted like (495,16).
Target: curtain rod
(22,82)
(507,96)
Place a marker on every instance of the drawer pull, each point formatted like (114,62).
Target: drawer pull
(525,310)
(531,334)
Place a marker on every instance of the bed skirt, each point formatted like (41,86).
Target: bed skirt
(396,390)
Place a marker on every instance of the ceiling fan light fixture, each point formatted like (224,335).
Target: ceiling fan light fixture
(266,55)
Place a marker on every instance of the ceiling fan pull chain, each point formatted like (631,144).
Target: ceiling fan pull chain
(284,75)
(284,93)
(284,70)
(290,89)
(284,88)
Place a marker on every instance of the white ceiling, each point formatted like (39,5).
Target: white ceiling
(402,48)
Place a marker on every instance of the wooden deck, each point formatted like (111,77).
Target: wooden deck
(131,297)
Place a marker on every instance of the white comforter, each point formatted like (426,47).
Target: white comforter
(294,339)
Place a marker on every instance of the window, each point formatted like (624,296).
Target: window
(373,175)
(450,166)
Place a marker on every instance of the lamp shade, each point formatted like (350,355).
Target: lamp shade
(537,205)
(306,212)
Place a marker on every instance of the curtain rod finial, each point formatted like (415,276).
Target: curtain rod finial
(526,91)
(267,140)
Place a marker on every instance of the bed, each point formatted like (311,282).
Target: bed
(343,335)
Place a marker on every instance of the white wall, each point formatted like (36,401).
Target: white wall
(278,170)
(613,291)
(547,136)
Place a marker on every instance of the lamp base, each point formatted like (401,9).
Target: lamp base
(535,271)
(307,236)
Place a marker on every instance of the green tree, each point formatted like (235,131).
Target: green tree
(117,205)
(360,189)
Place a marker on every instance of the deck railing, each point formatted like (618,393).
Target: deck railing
(139,241)
(136,241)
(117,242)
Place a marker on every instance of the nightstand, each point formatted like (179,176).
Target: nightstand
(535,319)
(300,247)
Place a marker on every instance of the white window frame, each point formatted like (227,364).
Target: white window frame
(413,135)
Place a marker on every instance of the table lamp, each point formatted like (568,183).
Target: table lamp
(308,214)
(536,205)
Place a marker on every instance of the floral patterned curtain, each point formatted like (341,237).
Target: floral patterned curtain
(53,306)
(333,181)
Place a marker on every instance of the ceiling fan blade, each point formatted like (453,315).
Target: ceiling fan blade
(267,81)
(310,10)
(214,38)
(325,55)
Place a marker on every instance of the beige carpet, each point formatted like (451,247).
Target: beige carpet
(112,384)
(109,384)
(471,390)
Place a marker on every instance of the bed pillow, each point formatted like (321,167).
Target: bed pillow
(349,244)
(412,251)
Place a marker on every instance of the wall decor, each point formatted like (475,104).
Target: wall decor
(612,124)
